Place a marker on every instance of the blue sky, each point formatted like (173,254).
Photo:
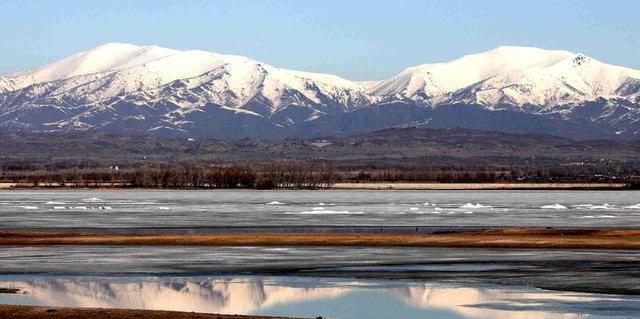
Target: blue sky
(355,39)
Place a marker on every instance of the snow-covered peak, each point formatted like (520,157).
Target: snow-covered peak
(512,75)
(117,70)
(169,64)
(105,58)
(166,63)
(598,78)
(149,75)
(435,79)
(574,79)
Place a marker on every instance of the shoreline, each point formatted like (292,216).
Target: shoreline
(38,312)
(356,186)
(541,238)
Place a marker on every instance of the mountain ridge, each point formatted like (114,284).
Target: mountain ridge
(126,88)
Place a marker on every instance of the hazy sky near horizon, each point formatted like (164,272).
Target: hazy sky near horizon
(358,40)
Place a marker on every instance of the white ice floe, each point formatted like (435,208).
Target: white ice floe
(603,206)
(82,207)
(554,206)
(30,207)
(471,205)
(275,202)
(163,208)
(636,206)
(414,209)
(591,206)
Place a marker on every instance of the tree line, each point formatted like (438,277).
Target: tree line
(260,176)
(309,175)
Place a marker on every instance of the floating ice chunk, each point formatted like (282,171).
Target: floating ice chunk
(92,199)
(30,207)
(275,202)
(163,208)
(636,206)
(470,205)
(413,208)
(554,206)
(54,203)
(603,206)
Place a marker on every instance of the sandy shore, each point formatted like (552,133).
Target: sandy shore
(478,186)
(489,238)
(31,312)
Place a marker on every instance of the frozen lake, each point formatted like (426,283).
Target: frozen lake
(202,209)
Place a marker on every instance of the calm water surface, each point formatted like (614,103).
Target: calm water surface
(311,297)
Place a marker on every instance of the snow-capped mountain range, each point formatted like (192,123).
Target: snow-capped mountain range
(124,88)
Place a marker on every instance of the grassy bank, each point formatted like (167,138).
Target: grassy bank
(487,238)
(33,312)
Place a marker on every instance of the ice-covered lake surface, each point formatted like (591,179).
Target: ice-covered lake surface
(333,282)
(202,209)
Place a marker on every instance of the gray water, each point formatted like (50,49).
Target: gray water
(201,209)
(603,271)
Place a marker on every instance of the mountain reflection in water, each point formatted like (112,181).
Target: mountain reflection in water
(309,297)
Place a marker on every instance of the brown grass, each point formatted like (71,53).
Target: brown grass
(489,238)
(31,312)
